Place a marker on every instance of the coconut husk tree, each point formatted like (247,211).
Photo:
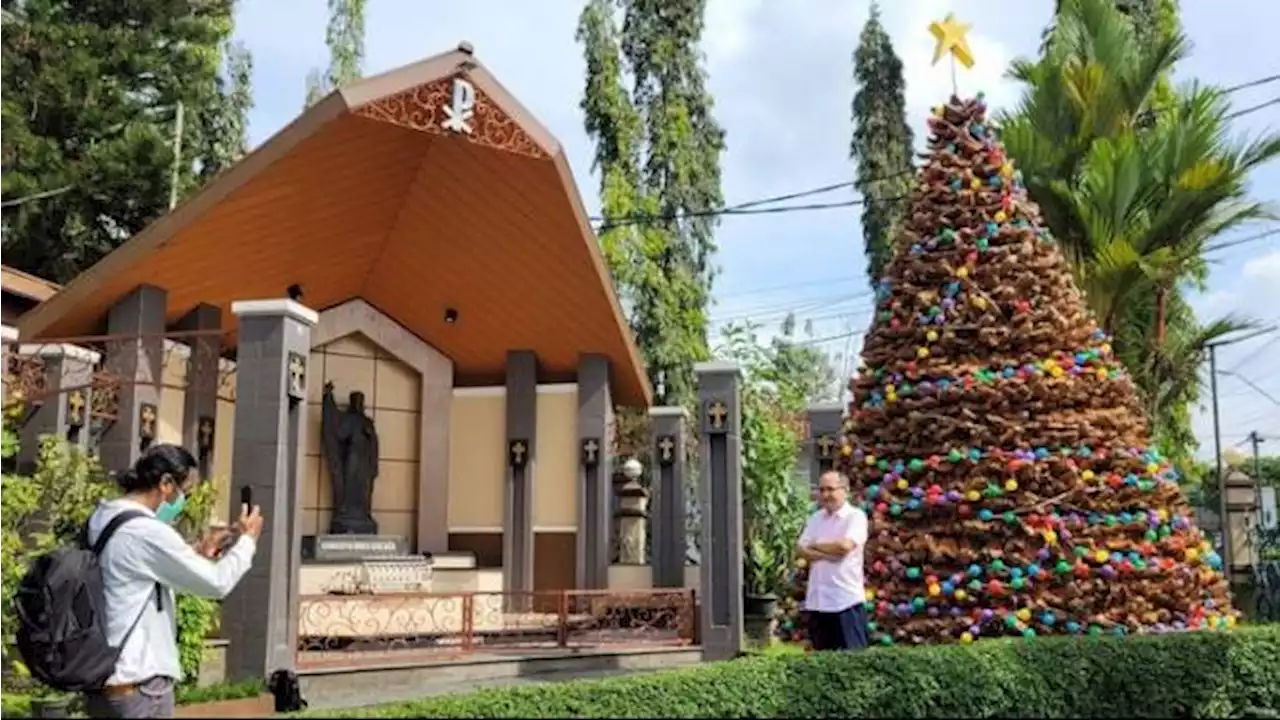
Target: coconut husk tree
(995,441)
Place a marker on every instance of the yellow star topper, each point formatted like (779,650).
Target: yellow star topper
(951,39)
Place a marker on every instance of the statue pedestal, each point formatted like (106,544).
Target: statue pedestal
(346,548)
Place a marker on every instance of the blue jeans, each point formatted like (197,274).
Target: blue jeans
(844,630)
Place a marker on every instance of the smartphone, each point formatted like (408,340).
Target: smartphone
(246,497)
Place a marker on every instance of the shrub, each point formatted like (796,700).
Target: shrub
(1201,674)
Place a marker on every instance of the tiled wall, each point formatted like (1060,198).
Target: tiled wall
(392,397)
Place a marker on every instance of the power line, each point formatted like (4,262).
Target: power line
(1253,109)
(1253,385)
(1241,241)
(1256,352)
(1252,83)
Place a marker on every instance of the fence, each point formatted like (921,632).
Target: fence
(345,630)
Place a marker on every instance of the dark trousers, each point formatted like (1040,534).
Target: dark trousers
(844,630)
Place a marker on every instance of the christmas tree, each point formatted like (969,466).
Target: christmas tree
(993,438)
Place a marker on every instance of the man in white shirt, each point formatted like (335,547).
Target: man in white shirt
(142,565)
(832,543)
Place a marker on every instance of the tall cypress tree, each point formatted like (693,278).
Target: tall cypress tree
(881,143)
(89,103)
(658,149)
(345,38)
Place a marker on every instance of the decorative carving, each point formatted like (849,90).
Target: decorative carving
(717,415)
(590,452)
(518,453)
(147,416)
(205,430)
(76,406)
(827,446)
(440,107)
(297,379)
(666,449)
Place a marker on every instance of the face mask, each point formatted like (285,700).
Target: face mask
(169,511)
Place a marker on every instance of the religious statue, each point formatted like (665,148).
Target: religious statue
(350,445)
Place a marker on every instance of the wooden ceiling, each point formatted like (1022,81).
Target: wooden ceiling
(366,196)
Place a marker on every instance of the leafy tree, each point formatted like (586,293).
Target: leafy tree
(658,151)
(774,503)
(1134,188)
(90,96)
(882,141)
(345,38)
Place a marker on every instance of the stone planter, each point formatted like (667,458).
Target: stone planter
(252,707)
(760,606)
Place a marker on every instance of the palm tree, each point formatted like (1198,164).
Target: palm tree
(1134,188)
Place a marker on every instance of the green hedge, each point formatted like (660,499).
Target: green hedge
(1202,674)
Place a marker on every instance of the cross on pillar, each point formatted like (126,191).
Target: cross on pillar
(826,444)
(517,452)
(148,417)
(75,405)
(717,411)
(667,446)
(297,374)
(591,447)
(206,433)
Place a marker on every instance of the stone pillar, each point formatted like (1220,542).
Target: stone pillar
(668,513)
(260,618)
(631,517)
(720,498)
(1239,531)
(135,355)
(824,440)
(522,427)
(200,404)
(595,413)
(62,407)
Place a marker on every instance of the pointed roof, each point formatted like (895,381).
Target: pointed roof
(375,193)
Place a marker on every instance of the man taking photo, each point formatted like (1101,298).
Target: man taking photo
(144,562)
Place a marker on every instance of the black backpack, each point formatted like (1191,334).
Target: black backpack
(61,609)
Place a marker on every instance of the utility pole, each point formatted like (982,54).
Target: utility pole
(1217,440)
(1255,440)
(177,157)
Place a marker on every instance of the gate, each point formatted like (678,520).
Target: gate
(75,387)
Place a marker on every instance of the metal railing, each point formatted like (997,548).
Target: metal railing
(372,629)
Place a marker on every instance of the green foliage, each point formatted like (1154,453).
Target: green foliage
(882,141)
(658,154)
(345,38)
(89,103)
(1135,179)
(774,502)
(221,691)
(1201,674)
(45,510)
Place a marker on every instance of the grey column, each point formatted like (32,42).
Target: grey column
(136,357)
(670,460)
(595,411)
(63,407)
(522,425)
(200,406)
(720,498)
(824,439)
(260,618)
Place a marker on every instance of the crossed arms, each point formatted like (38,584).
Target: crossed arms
(854,537)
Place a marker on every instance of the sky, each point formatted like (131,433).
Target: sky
(781,75)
